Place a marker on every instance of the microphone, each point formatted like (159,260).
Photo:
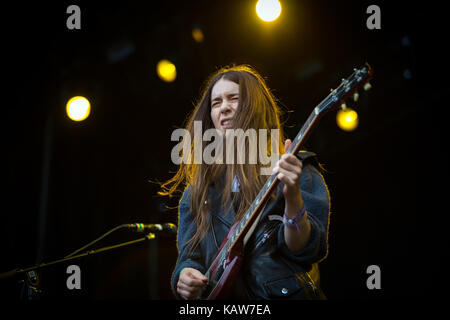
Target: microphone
(140,227)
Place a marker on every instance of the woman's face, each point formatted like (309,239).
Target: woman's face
(224,103)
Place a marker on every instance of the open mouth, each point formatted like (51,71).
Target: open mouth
(226,123)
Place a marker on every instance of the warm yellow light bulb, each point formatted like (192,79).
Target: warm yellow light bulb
(268,10)
(166,70)
(78,108)
(347,119)
(197,34)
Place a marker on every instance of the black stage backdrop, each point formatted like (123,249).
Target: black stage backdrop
(67,183)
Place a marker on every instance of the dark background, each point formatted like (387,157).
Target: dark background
(386,179)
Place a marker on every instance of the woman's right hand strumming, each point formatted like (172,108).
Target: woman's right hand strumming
(191,283)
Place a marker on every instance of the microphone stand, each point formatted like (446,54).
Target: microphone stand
(33,279)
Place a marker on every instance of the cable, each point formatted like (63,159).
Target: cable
(96,240)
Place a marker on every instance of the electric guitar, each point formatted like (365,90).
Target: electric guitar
(223,270)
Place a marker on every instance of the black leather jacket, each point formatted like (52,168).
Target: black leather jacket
(270,270)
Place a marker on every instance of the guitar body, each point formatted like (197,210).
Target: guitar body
(222,289)
(223,271)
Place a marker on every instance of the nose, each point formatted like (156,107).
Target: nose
(225,107)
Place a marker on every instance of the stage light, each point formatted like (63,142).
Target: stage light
(197,34)
(268,10)
(78,108)
(347,119)
(166,70)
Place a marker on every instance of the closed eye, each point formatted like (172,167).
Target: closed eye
(217,101)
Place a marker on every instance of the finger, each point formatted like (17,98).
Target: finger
(191,282)
(289,159)
(198,275)
(295,168)
(286,179)
(186,295)
(195,291)
(182,294)
(290,174)
(287,144)
(183,286)
(190,290)
(192,273)
(182,290)
(292,159)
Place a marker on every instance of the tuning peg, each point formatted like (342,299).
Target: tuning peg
(367,86)
(355,96)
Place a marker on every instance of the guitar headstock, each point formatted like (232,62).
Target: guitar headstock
(348,87)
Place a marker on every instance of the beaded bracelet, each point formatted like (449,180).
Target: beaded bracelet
(293,222)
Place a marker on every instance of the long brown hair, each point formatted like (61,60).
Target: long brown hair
(257,109)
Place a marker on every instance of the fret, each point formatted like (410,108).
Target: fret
(236,233)
(268,182)
(224,252)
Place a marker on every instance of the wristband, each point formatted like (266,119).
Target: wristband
(293,222)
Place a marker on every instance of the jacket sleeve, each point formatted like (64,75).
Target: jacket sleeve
(317,202)
(186,229)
